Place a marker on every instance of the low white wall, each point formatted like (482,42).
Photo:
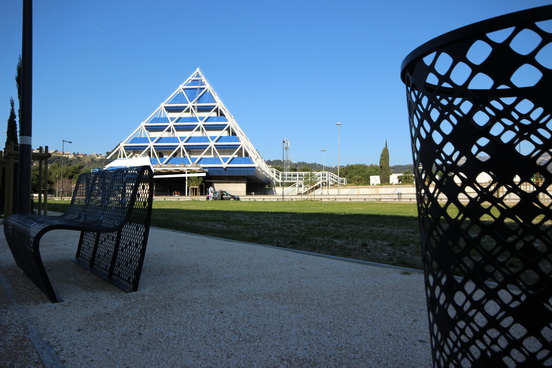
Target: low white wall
(233,188)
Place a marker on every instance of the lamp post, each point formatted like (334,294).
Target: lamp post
(338,153)
(26,119)
(323,150)
(283,167)
(63,162)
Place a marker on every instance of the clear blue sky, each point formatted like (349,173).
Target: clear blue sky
(284,69)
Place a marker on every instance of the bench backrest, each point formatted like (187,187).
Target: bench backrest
(120,200)
(107,198)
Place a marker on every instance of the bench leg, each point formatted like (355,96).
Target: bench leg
(116,257)
(26,253)
(97,251)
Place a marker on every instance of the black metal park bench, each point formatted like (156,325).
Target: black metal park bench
(112,210)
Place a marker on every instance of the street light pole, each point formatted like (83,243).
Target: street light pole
(323,150)
(283,167)
(26,108)
(63,162)
(338,153)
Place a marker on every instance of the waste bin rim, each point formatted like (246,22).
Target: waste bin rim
(485,26)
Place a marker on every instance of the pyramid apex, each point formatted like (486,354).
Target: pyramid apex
(198,73)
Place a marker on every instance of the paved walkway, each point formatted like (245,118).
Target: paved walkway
(207,302)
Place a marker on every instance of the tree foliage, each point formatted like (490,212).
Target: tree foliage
(11,136)
(19,83)
(313,166)
(11,132)
(195,181)
(385,169)
(407,177)
(402,168)
(72,167)
(358,174)
(310,179)
(299,166)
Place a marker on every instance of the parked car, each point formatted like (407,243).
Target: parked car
(223,195)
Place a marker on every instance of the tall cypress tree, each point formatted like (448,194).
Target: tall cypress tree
(385,169)
(11,132)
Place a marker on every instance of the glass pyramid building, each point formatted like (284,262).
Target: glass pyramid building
(190,134)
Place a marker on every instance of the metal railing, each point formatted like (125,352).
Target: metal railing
(326,177)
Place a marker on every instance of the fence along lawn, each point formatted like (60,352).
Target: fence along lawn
(371,231)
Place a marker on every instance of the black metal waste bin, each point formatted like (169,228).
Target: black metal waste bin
(480,104)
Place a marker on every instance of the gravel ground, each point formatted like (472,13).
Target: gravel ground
(207,302)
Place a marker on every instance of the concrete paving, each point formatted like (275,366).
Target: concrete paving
(209,302)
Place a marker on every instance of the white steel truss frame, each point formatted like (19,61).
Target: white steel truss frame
(151,144)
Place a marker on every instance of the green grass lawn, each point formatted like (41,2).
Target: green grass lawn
(372,231)
(378,232)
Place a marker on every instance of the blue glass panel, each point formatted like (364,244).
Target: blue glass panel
(196,147)
(168,140)
(178,99)
(165,147)
(215,119)
(159,120)
(179,161)
(232,171)
(139,140)
(207,97)
(176,108)
(204,108)
(215,126)
(228,146)
(231,138)
(210,161)
(187,119)
(192,93)
(242,161)
(198,140)
(135,148)
(185,127)
(155,161)
(156,128)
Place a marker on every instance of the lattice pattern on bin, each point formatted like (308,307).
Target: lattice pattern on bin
(481,127)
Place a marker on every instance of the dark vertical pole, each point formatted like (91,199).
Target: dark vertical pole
(26,123)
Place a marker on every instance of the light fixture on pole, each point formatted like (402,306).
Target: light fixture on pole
(63,162)
(285,161)
(338,153)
